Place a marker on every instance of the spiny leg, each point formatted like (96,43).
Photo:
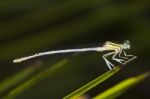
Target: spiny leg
(120,52)
(109,64)
(117,59)
(127,55)
(120,60)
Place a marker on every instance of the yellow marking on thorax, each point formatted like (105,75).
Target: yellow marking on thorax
(112,46)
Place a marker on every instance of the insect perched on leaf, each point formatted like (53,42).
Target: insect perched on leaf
(117,50)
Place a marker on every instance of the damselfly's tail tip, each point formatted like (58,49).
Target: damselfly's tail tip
(16,61)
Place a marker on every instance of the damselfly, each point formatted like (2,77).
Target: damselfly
(117,50)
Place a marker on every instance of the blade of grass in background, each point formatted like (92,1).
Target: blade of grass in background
(46,15)
(122,87)
(9,6)
(91,84)
(17,78)
(73,29)
(35,79)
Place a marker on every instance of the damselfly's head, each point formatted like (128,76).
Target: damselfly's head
(126,44)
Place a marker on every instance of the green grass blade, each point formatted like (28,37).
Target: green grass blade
(16,79)
(120,88)
(37,78)
(91,84)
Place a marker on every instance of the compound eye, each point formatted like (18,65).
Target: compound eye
(126,42)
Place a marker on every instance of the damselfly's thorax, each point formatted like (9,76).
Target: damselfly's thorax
(112,46)
(115,46)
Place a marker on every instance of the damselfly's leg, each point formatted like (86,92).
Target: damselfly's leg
(120,52)
(109,64)
(127,55)
(117,59)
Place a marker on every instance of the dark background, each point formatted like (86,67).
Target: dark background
(30,26)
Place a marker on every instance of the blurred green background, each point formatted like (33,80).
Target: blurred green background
(31,26)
